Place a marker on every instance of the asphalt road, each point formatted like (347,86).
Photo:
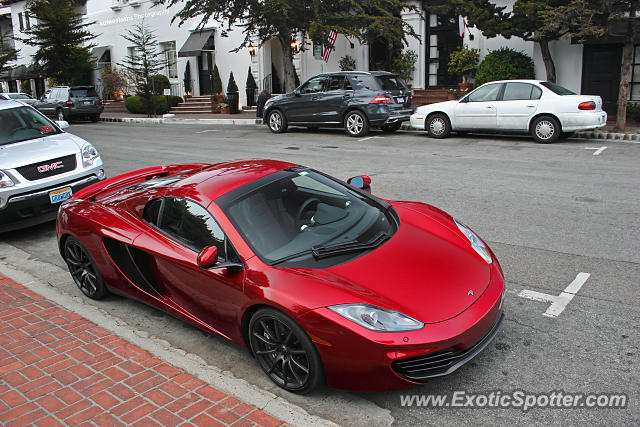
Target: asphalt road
(549,212)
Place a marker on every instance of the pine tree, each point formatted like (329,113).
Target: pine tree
(62,40)
(144,62)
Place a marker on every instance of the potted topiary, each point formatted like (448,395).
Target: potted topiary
(224,108)
(464,62)
(216,85)
(250,89)
(404,65)
(233,97)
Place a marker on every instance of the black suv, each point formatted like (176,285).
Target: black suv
(65,102)
(354,100)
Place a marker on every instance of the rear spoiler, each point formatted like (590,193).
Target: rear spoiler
(111,184)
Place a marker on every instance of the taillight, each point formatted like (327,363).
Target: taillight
(69,103)
(589,105)
(382,99)
(99,101)
(410,97)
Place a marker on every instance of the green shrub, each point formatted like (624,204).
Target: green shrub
(232,87)
(347,63)
(160,83)
(404,64)
(174,101)
(136,104)
(633,111)
(217,82)
(464,62)
(505,64)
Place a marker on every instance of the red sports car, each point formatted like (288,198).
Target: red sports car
(316,277)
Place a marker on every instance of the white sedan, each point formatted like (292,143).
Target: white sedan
(543,109)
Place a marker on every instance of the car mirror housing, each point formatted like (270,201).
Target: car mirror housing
(208,257)
(296,92)
(63,124)
(361,181)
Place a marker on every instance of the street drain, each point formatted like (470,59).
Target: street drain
(291,148)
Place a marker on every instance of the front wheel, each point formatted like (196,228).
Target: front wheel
(284,351)
(276,121)
(545,130)
(356,124)
(438,126)
(83,269)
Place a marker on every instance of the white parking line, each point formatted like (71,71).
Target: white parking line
(598,150)
(209,130)
(370,137)
(560,302)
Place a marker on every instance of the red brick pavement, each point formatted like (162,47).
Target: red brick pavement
(57,368)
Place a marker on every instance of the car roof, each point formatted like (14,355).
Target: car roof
(218,179)
(6,104)
(518,81)
(369,73)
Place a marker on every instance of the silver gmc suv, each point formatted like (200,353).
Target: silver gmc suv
(40,166)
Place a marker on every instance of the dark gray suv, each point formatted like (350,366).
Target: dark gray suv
(67,102)
(354,100)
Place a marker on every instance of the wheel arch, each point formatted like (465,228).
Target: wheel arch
(353,108)
(538,115)
(432,113)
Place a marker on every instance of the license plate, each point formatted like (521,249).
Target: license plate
(400,100)
(58,196)
(87,102)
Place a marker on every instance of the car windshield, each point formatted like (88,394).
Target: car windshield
(23,123)
(557,89)
(19,96)
(304,212)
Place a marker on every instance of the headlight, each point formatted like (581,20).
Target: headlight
(376,318)
(89,154)
(476,243)
(5,180)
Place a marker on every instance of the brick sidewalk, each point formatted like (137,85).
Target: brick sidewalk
(58,368)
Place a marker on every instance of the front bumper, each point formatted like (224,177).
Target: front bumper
(34,207)
(357,359)
(417,120)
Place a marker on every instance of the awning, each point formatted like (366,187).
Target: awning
(98,52)
(195,43)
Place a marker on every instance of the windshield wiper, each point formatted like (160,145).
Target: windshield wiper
(324,251)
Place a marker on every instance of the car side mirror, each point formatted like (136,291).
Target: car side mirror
(62,124)
(208,257)
(296,92)
(362,182)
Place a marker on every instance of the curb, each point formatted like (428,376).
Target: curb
(148,120)
(270,403)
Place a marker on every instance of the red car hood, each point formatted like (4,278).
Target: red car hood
(427,270)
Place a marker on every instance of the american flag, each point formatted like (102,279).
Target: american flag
(333,35)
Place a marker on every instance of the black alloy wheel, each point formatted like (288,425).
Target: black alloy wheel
(284,351)
(83,269)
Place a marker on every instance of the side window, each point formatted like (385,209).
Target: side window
(536,93)
(336,83)
(63,95)
(485,93)
(152,211)
(347,84)
(191,225)
(518,91)
(313,86)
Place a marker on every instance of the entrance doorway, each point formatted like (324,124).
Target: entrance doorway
(206,62)
(601,74)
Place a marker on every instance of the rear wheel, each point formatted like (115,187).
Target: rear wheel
(438,126)
(392,127)
(276,121)
(83,269)
(60,115)
(545,130)
(284,351)
(356,124)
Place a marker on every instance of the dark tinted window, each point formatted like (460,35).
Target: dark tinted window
(84,93)
(314,85)
(191,225)
(390,83)
(347,84)
(557,89)
(336,83)
(516,91)
(363,81)
(485,93)
(151,211)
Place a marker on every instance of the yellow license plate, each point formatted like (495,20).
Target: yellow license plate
(60,195)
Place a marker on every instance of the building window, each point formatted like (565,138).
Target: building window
(26,20)
(635,76)
(317,51)
(169,51)
(20,21)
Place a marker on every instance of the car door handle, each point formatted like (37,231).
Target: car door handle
(531,106)
(314,98)
(490,106)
